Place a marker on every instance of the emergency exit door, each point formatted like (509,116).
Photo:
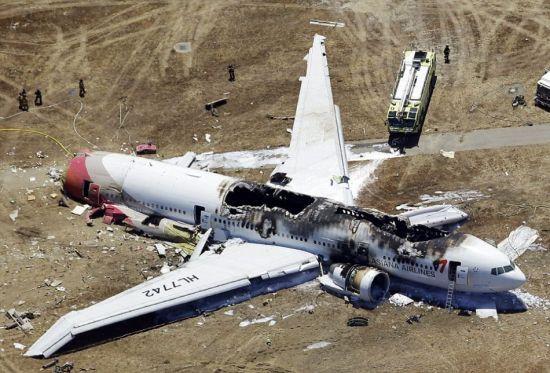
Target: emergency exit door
(461,275)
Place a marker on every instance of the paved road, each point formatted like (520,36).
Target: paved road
(474,140)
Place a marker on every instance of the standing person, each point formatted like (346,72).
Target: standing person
(38,97)
(446,52)
(231,70)
(82,90)
(23,103)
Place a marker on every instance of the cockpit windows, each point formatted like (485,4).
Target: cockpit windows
(500,270)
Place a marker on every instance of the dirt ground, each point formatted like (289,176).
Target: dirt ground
(124,52)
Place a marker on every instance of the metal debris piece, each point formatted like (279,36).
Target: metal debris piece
(414,318)
(50,364)
(79,210)
(20,320)
(358,321)
(269,116)
(326,23)
(161,249)
(213,105)
(447,153)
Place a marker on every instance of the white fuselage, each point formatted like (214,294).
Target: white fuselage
(199,197)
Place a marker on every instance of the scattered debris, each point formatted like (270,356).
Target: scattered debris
(32,179)
(31,197)
(269,116)
(165,268)
(53,195)
(161,249)
(531,300)
(148,148)
(317,345)
(54,174)
(14,214)
(464,313)
(182,47)
(54,283)
(229,312)
(20,320)
(326,23)
(447,153)
(267,319)
(19,346)
(400,300)
(50,364)
(79,210)
(358,321)
(414,318)
(207,137)
(40,154)
(213,105)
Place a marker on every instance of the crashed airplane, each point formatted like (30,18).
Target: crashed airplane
(274,235)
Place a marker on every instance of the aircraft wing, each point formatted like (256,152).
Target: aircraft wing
(241,271)
(316,163)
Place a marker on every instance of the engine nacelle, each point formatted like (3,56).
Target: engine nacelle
(369,284)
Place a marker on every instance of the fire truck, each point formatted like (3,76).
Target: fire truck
(411,93)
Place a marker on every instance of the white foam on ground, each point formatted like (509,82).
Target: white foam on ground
(317,345)
(242,159)
(530,300)
(459,195)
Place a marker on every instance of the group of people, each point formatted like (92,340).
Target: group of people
(24,102)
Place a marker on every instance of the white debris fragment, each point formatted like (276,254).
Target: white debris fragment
(326,23)
(521,239)
(447,153)
(79,210)
(317,345)
(19,346)
(487,309)
(308,308)
(165,268)
(32,179)
(229,312)
(246,323)
(207,137)
(60,288)
(54,174)
(400,300)
(14,214)
(55,283)
(272,322)
(161,249)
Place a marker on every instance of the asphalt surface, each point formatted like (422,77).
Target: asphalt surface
(474,140)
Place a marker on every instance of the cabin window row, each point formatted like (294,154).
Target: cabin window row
(408,261)
(165,208)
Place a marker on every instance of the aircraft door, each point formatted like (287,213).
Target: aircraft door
(205,220)
(198,212)
(452,270)
(461,275)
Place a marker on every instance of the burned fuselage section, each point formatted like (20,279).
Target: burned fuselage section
(261,213)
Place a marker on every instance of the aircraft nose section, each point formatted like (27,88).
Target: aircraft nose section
(510,280)
(75,177)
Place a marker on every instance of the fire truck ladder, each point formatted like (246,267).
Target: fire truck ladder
(405,99)
(450,292)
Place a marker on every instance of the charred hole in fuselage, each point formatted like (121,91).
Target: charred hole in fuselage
(394,225)
(258,195)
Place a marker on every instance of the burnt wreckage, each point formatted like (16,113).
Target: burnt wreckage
(345,231)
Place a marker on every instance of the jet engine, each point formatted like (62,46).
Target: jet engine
(369,284)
